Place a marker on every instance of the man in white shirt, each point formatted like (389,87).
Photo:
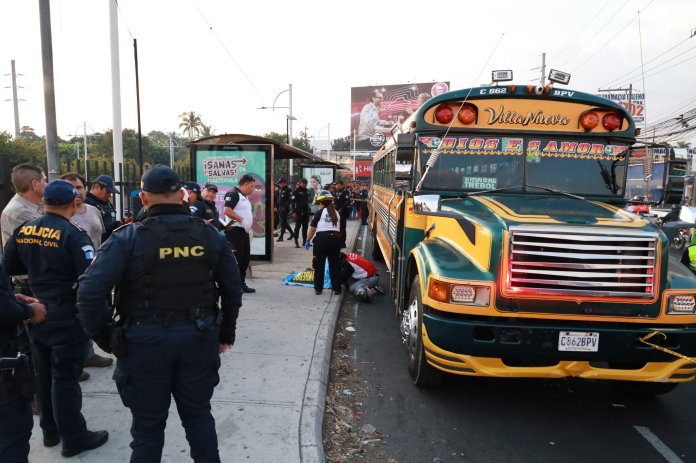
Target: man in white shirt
(86,216)
(29,182)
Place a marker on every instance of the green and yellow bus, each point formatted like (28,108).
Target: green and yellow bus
(499,213)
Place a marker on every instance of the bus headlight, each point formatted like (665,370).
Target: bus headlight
(454,293)
(681,304)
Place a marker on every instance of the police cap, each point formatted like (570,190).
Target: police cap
(58,193)
(210,186)
(106,181)
(282,180)
(193,186)
(160,179)
(339,182)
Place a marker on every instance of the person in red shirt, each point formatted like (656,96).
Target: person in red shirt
(360,276)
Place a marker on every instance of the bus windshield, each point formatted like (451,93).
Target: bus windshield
(475,164)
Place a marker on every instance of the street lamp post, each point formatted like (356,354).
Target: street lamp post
(289,117)
(328,139)
(172,143)
(84,141)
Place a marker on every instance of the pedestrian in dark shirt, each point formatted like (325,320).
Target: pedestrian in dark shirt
(283,207)
(209,195)
(99,196)
(300,210)
(53,252)
(342,204)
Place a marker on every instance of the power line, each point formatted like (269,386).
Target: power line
(210,29)
(584,28)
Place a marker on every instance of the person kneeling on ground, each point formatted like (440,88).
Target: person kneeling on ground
(360,276)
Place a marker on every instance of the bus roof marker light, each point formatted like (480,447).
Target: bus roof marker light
(559,77)
(501,76)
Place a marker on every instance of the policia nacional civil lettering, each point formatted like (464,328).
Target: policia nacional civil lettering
(16,374)
(169,271)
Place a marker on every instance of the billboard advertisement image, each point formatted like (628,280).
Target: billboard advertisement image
(375,110)
(317,177)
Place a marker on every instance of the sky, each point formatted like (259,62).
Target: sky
(224,59)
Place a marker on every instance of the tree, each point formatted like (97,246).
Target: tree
(341,144)
(683,144)
(191,123)
(207,131)
(302,142)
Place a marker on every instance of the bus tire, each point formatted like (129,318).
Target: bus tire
(645,389)
(376,250)
(422,373)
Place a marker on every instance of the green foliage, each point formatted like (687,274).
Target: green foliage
(191,124)
(341,144)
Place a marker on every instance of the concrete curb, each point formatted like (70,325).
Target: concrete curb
(314,399)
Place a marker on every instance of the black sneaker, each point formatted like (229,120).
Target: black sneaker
(317,292)
(95,439)
(280,239)
(297,245)
(247,289)
(51,440)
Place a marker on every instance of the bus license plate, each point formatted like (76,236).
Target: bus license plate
(576,341)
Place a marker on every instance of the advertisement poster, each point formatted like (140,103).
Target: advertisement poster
(317,177)
(363,169)
(375,110)
(636,107)
(222,165)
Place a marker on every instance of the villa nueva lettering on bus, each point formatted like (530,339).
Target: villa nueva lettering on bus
(533,117)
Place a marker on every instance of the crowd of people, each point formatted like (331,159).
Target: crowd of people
(161,293)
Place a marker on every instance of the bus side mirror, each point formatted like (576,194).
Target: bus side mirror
(405,147)
(426,203)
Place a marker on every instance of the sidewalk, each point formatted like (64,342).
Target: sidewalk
(269,405)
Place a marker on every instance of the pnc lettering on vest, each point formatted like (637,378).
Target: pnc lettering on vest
(177,252)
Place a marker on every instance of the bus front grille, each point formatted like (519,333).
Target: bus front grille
(582,262)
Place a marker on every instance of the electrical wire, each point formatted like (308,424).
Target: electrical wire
(224,47)
(585,29)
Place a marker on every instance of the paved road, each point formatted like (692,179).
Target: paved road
(513,420)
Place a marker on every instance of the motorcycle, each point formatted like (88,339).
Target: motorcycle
(681,238)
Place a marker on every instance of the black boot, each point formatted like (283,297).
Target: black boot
(280,239)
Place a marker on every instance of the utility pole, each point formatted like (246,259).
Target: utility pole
(15,100)
(49,90)
(543,69)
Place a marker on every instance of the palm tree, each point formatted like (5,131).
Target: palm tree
(207,131)
(191,123)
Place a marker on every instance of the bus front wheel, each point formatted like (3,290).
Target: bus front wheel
(422,373)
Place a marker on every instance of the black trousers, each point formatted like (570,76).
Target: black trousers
(364,212)
(327,245)
(343,218)
(241,246)
(15,430)
(284,225)
(302,221)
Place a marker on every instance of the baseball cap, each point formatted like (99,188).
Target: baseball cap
(193,186)
(339,182)
(106,181)
(58,193)
(160,179)
(281,180)
(210,186)
(303,180)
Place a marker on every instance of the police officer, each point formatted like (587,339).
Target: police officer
(342,204)
(99,196)
(283,207)
(209,195)
(16,377)
(54,253)
(238,209)
(196,205)
(327,243)
(300,210)
(169,270)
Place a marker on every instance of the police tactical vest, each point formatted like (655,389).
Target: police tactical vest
(180,261)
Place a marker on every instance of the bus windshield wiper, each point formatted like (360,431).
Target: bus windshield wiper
(557,192)
(494,190)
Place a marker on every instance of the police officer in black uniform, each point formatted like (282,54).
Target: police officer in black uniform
(54,253)
(342,204)
(99,196)
(300,210)
(208,195)
(169,271)
(283,207)
(196,205)
(16,375)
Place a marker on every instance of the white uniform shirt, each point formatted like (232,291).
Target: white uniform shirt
(322,220)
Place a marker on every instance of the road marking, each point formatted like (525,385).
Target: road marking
(660,446)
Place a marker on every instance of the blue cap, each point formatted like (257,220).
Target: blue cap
(160,179)
(106,181)
(210,186)
(59,193)
(193,186)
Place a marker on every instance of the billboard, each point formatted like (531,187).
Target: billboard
(317,178)
(375,110)
(223,165)
(636,107)
(363,169)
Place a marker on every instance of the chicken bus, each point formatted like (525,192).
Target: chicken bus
(499,212)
